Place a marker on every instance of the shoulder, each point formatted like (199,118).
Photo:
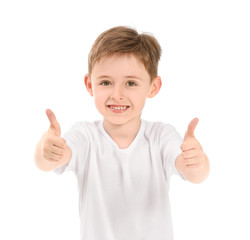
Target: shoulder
(158,128)
(84,129)
(160,132)
(85,126)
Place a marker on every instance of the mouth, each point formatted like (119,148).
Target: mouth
(118,108)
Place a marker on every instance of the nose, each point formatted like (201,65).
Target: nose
(117,93)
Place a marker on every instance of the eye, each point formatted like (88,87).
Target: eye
(105,83)
(131,83)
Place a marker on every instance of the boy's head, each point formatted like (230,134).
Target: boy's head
(124,40)
(123,74)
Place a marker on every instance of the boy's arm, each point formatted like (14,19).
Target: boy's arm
(52,151)
(192,163)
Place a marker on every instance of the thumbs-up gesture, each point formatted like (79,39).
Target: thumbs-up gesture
(53,145)
(192,151)
(192,162)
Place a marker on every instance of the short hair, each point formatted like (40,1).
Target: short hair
(125,40)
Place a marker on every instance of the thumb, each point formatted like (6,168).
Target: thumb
(54,125)
(191,127)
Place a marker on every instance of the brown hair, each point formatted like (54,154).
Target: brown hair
(125,40)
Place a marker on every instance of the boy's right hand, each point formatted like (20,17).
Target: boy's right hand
(53,145)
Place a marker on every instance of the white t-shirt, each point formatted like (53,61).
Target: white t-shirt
(123,193)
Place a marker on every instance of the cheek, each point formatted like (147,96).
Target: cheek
(98,94)
(100,98)
(138,99)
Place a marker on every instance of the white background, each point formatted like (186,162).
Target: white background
(205,68)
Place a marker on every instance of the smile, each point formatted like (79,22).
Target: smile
(118,108)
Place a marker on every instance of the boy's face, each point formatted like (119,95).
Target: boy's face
(120,86)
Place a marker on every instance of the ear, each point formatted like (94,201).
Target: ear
(88,84)
(155,87)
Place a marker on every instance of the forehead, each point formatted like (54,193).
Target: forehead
(119,65)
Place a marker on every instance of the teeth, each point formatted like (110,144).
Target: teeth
(118,108)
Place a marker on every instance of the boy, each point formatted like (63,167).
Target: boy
(123,164)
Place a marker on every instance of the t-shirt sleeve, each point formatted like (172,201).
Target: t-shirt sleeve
(171,148)
(77,140)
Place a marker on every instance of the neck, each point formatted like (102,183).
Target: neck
(122,134)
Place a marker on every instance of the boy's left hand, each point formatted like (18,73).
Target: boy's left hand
(192,152)
(192,163)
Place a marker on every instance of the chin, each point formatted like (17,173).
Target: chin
(116,121)
(121,120)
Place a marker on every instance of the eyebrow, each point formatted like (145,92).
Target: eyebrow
(103,76)
(129,76)
(133,76)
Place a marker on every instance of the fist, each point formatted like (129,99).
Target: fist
(192,156)
(53,145)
